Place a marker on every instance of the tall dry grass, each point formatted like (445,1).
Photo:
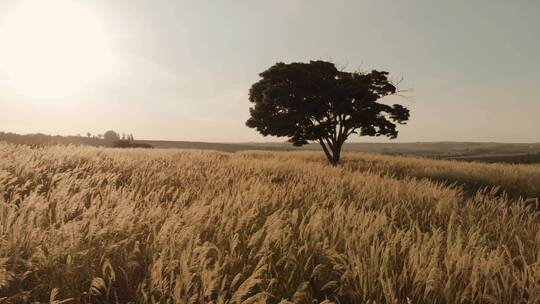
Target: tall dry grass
(94,225)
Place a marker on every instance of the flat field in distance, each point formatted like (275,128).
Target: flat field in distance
(464,151)
(100,225)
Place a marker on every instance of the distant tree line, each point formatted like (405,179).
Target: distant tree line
(107,139)
(39,139)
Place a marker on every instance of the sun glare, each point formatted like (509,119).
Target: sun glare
(52,49)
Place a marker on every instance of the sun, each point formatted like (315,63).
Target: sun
(52,49)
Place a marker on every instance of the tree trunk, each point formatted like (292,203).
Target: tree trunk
(337,155)
(332,152)
(326,151)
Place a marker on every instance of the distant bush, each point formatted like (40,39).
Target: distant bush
(111,136)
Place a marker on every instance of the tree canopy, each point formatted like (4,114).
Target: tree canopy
(317,102)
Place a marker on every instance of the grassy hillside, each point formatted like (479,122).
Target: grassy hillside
(100,225)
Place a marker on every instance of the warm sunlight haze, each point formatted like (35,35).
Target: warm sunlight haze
(182,69)
(52,49)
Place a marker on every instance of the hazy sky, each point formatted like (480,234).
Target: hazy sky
(181,70)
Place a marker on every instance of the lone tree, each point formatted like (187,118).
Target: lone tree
(316,102)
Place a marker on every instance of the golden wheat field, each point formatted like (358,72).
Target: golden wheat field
(97,225)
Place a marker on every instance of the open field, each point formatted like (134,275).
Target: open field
(487,152)
(463,151)
(518,158)
(100,225)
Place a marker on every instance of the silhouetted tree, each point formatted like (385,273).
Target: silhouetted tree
(111,136)
(316,102)
(88,134)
